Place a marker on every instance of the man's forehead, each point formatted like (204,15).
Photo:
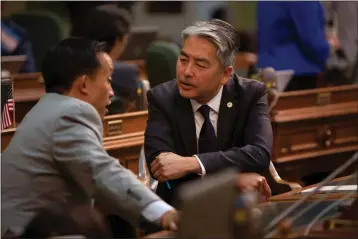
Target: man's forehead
(107,59)
(202,47)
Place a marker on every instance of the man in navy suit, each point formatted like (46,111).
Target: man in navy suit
(208,118)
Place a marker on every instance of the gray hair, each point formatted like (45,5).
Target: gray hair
(220,33)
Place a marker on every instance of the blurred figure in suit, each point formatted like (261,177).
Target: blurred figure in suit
(291,36)
(342,19)
(110,24)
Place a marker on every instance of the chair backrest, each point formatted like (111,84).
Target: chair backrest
(44,29)
(161,62)
(143,172)
(277,184)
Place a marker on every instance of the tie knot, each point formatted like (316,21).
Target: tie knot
(204,110)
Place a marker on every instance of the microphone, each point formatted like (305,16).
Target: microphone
(268,76)
(298,203)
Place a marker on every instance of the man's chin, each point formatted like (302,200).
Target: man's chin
(103,113)
(186,94)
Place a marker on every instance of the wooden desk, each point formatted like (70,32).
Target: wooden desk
(279,203)
(28,88)
(124,123)
(6,136)
(12,63)
(126,148)
(295,195)
(314,130)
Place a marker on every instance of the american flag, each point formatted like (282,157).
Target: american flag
(7,106)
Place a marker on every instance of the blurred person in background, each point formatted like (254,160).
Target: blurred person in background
(111,25)
(220,13)
(342,24)
(291,36)
(14,42)
(79,10)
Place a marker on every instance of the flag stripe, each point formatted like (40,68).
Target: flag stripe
(8,109)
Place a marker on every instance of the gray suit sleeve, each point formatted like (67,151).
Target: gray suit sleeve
(79,151)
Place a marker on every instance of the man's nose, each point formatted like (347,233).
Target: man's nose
(111,93)
(188,71)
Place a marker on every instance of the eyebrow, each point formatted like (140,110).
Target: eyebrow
(198,59)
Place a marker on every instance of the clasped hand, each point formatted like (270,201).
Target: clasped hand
(167,166)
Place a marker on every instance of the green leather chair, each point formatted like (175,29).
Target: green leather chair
(161,62)
(44,29)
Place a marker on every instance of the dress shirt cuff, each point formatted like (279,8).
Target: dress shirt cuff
(203,172)
(155,210)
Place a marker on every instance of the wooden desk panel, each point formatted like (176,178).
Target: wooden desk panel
(124,123)
(308,98)
(126,148)
(314,130)
(28,88)
(6,136)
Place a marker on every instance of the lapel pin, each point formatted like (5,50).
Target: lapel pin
(229,105)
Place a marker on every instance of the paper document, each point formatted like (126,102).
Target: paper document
(326,189)
(283,78)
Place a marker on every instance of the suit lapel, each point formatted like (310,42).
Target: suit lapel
(228,113)
(186,123)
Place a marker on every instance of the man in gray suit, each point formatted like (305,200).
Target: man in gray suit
(56,155)
(342,17)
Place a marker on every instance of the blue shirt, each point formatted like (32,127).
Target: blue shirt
(291,35)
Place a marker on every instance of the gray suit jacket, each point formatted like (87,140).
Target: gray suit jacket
(56,156)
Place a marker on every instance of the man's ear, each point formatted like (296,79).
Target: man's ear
(81,83)
(226,74)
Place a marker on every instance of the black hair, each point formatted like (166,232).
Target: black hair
(108,23)
(71,58)
(219,13)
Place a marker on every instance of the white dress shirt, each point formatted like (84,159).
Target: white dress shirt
(214,105)
(155,210)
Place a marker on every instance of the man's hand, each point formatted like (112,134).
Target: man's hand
(333,41)
(172,166)
(170,220)
(254,182)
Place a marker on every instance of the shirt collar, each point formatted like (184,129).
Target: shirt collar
(214,103)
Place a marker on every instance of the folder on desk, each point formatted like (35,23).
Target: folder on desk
(333,189)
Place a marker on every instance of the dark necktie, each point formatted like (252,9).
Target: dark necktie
(207,138)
